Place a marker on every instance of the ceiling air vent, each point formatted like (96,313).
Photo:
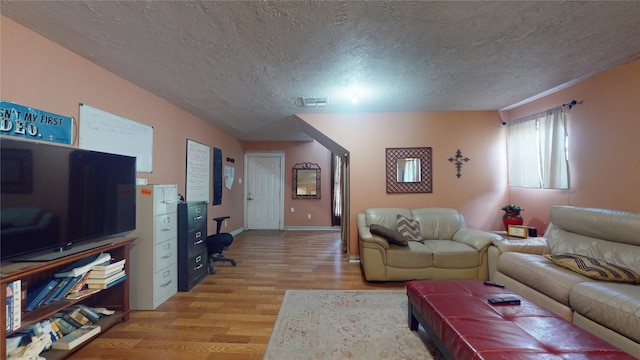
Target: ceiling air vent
(314,102)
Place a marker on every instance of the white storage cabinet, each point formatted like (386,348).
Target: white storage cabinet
(154,270)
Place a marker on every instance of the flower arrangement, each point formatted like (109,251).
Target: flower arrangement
(512,207)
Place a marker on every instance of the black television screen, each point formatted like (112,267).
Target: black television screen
(55,197)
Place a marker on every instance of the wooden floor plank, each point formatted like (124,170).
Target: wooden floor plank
(230,315)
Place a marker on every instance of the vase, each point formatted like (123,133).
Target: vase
(512,218)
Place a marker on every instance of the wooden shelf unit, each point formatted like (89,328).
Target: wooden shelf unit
(114,298)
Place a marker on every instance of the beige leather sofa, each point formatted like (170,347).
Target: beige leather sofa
(610,310)
(449,251)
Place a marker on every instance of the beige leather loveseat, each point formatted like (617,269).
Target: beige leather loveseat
(609,309)
(449,249)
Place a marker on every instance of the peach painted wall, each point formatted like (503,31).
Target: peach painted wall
(298,152)
(604,145)
(38,73)
(478,194)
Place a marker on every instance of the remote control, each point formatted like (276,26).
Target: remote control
(492,283)
(507,300)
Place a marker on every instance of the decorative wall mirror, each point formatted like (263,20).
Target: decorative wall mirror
(409,170)
(306,181)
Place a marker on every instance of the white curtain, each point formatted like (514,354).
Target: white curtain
(537,150)
(337,190)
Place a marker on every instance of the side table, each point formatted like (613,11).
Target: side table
(505,236)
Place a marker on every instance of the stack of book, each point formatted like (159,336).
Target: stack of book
(69,280)
(107,274)
(73,326)
(66,329)
(72,318)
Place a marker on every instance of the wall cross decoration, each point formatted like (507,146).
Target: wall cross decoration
(458,161)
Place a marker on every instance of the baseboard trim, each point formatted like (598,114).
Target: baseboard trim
(236,231)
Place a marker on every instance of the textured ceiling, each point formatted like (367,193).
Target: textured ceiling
(244,66)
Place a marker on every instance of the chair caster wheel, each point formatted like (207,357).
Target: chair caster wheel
(233,263)
(212,270)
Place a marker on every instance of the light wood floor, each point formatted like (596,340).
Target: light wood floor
(230,315)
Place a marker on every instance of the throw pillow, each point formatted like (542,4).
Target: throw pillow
(409,228)
(594,268)
(392,236)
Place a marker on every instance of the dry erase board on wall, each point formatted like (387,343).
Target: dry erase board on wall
(198,166)
(106,132)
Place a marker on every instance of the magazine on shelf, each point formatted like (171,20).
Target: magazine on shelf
(83,265)
(81,294)
(79,285)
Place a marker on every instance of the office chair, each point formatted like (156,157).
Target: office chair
(218,242)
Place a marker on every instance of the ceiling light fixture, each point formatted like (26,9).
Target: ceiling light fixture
(355,91)
(314,102)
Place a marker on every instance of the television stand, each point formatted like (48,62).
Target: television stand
(115,298)
(60,253)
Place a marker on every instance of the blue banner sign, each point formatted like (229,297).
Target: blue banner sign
(29,123)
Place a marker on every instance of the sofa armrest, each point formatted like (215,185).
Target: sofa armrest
(478,239)
(538,245)
(365,234)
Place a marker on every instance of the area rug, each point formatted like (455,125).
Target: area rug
(349,324)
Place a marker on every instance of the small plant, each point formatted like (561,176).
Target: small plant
(512,207)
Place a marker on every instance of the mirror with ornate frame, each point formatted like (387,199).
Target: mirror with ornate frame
(409,170)
(306,181)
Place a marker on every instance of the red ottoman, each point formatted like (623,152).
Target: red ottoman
(462,323)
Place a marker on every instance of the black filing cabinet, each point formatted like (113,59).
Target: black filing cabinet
(192,244)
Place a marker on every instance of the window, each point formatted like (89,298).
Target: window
(537,150)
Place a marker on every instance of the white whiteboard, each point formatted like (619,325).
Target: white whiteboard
(102,131)
(198,170)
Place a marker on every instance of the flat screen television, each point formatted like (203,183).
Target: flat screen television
(56,199)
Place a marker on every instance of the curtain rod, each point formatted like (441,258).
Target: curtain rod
(572,103)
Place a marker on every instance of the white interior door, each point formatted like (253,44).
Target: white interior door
(264,191)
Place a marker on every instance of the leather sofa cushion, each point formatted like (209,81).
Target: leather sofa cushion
(562,242)
(541,274)
(613,305)
(438,223)
(414,256)
(449,254)
(603,234)
(385,216)
(611,225)
(537,246)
